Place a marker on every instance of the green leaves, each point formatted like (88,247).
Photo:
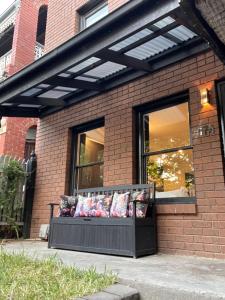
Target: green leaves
(11,184)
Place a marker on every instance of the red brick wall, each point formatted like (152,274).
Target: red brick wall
(16,135)
(23,53)
(24,38)
(2,143)
(63,20)
(183,229)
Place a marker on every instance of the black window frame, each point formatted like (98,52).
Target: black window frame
(142,110)
(89,9)
(220,89)
(220,94)
(75,132)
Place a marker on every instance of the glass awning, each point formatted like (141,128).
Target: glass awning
(135,40)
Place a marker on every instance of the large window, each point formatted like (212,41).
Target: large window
(90,16)
(167,157)
(88,160)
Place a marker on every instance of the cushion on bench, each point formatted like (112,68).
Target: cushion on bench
(119,206)
(141,208)
(95,206)
(67,206)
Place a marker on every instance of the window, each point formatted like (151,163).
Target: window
(30,142)
(93,15)
(89,156)
(167,156)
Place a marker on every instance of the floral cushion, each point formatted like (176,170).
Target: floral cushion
(95,206)
(141,208)
(119,206)
(67,206)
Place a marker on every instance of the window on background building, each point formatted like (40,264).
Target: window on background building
(167,155)
(3,125)
(89,158)
(41,31)
(89,16)
(30,142)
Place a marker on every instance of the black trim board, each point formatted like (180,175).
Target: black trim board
(177,200)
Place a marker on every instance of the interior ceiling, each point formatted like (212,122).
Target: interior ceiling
(97,135)
(169,116)
(169,124)
(108,56)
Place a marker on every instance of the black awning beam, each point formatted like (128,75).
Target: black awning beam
(122,59)
(37,101)
(74,83)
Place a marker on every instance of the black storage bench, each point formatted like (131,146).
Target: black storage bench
(129,236)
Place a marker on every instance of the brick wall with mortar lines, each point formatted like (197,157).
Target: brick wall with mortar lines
(63,20)
(183,229)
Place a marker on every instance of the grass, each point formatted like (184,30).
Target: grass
(24,278)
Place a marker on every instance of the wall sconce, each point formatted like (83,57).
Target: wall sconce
(205,96)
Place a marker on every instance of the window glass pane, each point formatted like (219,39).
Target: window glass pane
(167,128)
(89,177)
(91,146)
(96,16)
(173,173)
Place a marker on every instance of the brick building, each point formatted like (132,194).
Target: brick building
(135,95)
(22,41)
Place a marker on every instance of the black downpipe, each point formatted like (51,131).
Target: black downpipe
(29,194)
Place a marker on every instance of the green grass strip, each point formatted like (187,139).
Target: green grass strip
(29,279)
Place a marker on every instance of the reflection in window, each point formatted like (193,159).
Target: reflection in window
(89,165)
(94,15)
(167,151)
(167,128)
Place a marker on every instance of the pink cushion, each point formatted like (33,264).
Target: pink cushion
(119,206)
(95,206)
(141,208)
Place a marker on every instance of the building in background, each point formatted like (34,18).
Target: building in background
(22,40)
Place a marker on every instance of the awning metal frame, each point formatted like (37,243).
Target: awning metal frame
(96,41)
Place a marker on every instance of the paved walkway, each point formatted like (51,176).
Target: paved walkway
(156,277)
